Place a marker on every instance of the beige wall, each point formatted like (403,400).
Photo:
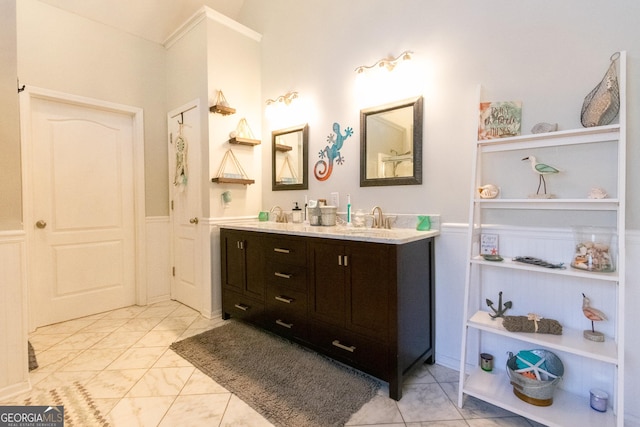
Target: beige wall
(234,67)
(548,54)
(63,52)
(10,197)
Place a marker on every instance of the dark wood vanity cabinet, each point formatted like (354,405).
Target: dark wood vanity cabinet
(349,286)
(372,305)
(243,284)
(369,305)
(286,277)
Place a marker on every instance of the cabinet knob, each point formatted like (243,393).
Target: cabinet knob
(41,224)
(194,220)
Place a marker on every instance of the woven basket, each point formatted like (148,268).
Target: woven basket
(536,392)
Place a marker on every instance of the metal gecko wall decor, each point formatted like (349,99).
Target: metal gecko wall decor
(331,153)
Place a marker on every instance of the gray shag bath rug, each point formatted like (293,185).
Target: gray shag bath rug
(286,383)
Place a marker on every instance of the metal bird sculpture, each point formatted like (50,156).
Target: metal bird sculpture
(541,169)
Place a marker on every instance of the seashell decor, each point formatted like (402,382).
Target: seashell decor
(488,191)
(597,193)
(544,128)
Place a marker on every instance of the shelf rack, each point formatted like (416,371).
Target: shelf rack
(489,335)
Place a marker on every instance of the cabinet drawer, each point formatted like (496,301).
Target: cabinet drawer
(241,307)
(289,251)
(283,300)
(289,275)
(365,354)
(286,324)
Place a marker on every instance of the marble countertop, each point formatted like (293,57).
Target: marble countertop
(395,236)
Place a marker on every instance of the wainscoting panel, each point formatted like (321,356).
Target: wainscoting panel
(632,320)
(14,366)
(158,259)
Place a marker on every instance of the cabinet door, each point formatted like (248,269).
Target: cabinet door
(367,298)
(233,270)
(254,266)
(327,295)
(243,263)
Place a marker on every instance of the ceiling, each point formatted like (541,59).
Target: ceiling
(154,20)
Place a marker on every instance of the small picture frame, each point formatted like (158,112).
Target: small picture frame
(489,244)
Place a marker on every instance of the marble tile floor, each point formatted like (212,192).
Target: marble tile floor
(122,358)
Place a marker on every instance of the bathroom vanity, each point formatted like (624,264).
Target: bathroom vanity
(364,297)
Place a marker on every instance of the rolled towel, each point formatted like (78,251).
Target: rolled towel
(528,324)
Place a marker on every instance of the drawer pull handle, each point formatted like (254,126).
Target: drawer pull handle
(344,347)
(282,251)
(283,275)
(286,325)
(242,307)
(284,299)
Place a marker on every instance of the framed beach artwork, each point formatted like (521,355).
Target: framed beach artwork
(499,119)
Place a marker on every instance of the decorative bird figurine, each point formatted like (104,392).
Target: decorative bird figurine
(594,315)
(541,169)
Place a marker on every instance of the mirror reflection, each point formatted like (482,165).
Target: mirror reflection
(290,158)
(391,144)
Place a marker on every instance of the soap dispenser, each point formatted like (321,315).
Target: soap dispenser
(297,214)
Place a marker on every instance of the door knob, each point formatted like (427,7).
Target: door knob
(194,220)
(41,224)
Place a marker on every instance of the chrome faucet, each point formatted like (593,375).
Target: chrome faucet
(378,221)
(280,217)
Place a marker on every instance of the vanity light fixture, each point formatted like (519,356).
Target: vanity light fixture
(286,98)
(389,63)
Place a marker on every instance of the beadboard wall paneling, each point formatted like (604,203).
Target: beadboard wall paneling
(158,259)
(14,366)
(451,246)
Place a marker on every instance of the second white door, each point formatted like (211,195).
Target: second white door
(185,189)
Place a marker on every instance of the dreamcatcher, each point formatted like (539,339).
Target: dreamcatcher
(180,178)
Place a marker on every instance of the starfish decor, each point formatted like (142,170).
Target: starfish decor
(537,369)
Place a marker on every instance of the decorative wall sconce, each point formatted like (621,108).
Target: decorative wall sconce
(286,98)
(389,63)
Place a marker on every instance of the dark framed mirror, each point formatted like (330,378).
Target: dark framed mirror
(290,158)
(391,144)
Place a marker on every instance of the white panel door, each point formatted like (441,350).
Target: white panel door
(186,206)
(83,204)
